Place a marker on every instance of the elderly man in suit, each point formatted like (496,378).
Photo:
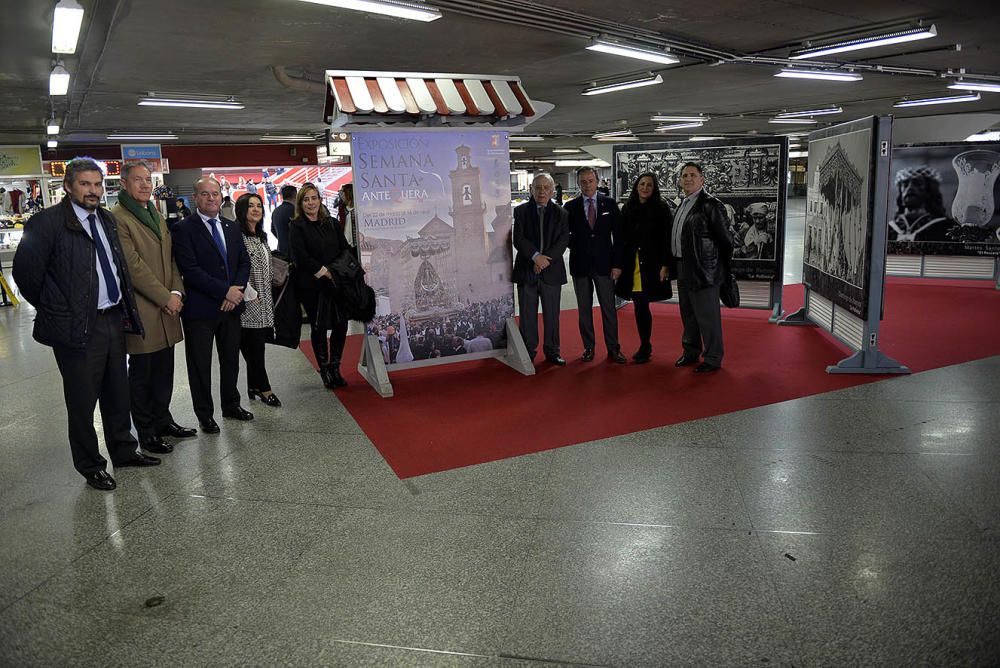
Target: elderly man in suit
(541,234)
(148,249)
(71,268)
(701,244)
(214,262)
(595,262)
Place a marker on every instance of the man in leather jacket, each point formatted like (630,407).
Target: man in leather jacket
(701,243)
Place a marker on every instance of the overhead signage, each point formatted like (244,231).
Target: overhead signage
(19,161)
(150,154)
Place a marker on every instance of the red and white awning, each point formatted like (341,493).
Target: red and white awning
(354,96)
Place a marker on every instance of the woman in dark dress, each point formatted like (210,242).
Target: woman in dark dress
(315,240)
(647,264)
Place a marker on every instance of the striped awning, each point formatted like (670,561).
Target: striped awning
(399,96)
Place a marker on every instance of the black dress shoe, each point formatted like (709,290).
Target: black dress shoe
(141,460)
(555,359)
(642,355)
(617,357)
(269,399)
(705,367)
(336,378)
(328,382)
(684,360)
(588,355)
(101,480)
(155,444)
(210,426)
(174,430)
(238,413)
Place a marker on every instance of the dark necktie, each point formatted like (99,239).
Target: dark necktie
(102,257)
(541,228)
(217,237)
(591,213)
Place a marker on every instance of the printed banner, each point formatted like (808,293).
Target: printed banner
(434,217)
(748,175)
(945,200)
(147,153)
(19,161)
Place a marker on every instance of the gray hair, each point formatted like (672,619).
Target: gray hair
(580,171)
(206,178)
(77,165)
(129,166)
(540,176)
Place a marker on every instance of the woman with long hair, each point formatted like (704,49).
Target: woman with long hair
(316,239)
(647,264)
(257,320)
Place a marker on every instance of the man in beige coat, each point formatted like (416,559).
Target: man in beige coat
(158,293)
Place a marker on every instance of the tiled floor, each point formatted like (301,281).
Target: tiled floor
(853,528)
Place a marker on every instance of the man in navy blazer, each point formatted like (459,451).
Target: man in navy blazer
(215,266)
(595,262)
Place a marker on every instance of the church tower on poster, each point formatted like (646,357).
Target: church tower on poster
(471,241)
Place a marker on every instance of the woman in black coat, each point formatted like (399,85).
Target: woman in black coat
(646,258)
(315,240)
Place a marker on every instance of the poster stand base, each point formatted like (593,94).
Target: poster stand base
(372,367)
(516,356)
(870,361)
(796,319)
(776,314)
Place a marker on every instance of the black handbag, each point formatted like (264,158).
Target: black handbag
(729,291)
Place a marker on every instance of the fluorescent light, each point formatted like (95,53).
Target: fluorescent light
(660,118)
(678,126)
(983,86)
(566,150)
(66,26)
(582,163)
(704,138)
(946,99)
(910,35)
(52,128)
(52,143)
(526,138)
(515,150)
(58,80)
(822,75)
(811,112)
(611,133)
(620,138)
(415,11)
(792,121)
(992,135)
(798,154)
(127,136)
(650,80)
(288,138)
(638,53)
(190,103)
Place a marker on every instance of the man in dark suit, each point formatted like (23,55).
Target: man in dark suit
(595,239)
(215,267)
(281,216)
(700,242)
(541,234)
(70,266)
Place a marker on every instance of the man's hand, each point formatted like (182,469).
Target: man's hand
(324,273)
(542,262)
(664,273)
(227,306)
(235,295)
(616,273)
(173,307)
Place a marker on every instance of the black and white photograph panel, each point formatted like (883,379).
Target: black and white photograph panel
(945,200)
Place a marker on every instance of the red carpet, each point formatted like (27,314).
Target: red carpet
(449,416)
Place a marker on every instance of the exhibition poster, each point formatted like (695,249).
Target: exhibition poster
(945,200)
(748,175)
(434,218)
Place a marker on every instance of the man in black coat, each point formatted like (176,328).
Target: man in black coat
(541,234)
(71,268)
(595,240)
(701,244)
(215,266)
(280,218)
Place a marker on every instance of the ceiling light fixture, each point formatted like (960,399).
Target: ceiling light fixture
(526,138)
(620,138)
(52,143)
(52,126)
(822,75)
(148,135)
(678,126)
(982,86)
(792,121)
(649,80)
(515,150)
(992,135)
(58,80)
(910,35)
(945,99)
(611,133)
(191,102)
(414,11)
(811,112)
(566,150)
(704,138)
(66,26)
(639,53)
(660,118)
(582,163)
(288,138)
(798,154)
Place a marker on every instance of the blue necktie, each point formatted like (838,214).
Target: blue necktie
(218,243)
(102,257)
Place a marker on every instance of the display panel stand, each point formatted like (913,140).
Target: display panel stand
(860,335)
(516,356)
(372,367)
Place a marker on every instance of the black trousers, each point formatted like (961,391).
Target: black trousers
(95,376)
(253,342)
(328,353)
(701,314)
(585,286)
(643,318)
(151,383)
(529,295)
(224,330)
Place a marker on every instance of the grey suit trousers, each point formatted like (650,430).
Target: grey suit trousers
(528,295)
(584,286)
(701,314)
